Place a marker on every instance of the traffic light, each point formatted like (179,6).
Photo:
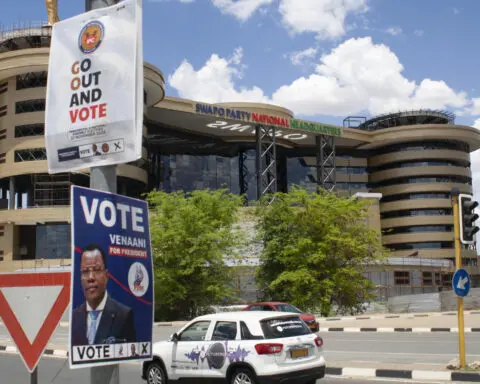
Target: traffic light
(467,216)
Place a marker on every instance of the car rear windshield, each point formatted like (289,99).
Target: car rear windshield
(279,327)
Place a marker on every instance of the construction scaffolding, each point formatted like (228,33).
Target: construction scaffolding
(266,160)
(410,275)
(51,189)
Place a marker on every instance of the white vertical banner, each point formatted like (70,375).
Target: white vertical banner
(93,99)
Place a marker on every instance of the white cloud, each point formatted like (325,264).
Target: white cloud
(241,9)
(418,32)
(215,81)
(474,109)
(356,76)
(456,11)
(301,57)
(394,31)
(326,18)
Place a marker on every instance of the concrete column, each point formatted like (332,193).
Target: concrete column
(12,192)
(7,246)
(373,220)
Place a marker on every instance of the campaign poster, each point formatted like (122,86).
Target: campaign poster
(112,293)
(93,102)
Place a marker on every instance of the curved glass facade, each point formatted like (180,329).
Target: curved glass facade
(417,229)
(190,172)
(423,179)
(421,245)
(423,145)
(415,196)
(416,212)
(419,163)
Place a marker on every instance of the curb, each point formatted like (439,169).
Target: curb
(391,330)
(344,329)
(403,374)
(396,316)
(339,371)
(48,352)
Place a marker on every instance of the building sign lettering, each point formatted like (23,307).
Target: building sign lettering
(253,117)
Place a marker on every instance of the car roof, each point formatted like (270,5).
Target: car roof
(267,302)
(253,315)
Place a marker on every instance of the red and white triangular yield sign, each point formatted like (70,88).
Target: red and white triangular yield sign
(31,307)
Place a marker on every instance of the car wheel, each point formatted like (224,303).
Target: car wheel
(311,382)
(156,374)
(243,376)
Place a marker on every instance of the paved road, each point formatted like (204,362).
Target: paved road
(56,371)
(422,350)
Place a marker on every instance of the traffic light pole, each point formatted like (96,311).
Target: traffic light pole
(458,264)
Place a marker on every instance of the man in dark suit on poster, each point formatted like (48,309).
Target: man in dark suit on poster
(100,319)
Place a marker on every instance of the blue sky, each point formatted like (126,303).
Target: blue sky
(414,40)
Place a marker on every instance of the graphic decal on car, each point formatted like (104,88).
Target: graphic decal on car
(217,354)
(238,354)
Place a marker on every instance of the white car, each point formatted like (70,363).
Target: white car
(239,348)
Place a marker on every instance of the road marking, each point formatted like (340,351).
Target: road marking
(431,375)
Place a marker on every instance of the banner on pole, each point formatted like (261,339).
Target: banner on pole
(93,100)
(112,300)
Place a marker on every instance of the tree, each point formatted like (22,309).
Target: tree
(316,247)
(191,236)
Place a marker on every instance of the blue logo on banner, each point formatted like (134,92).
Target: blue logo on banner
(112,279)
(461,282)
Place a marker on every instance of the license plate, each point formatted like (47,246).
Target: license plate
(298,353)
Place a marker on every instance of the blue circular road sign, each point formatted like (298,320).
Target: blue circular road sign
(461,282)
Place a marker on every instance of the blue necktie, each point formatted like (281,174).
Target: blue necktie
(93,326)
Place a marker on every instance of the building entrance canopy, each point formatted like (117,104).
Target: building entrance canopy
(229,123)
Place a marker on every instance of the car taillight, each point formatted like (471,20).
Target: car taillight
(318,342)
(268,349)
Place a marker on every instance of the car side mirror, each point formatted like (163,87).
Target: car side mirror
(174,337)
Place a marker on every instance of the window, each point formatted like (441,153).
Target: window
(225,330)
(417,212)
(423,179)
(29,130)
(287,308)
(32,80)
(53,241)
(418,163)
(3,87)
(256,308)
(37,105)
(415,196)
(195,332)
(402,277)
(418,229)
(420,245)
(284,327)
(427,279)
(31,154)
(245,333)
(3,110)
(424,145)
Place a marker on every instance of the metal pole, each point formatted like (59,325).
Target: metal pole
(34,376)
(104,179)
(458,264)
(258,161)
